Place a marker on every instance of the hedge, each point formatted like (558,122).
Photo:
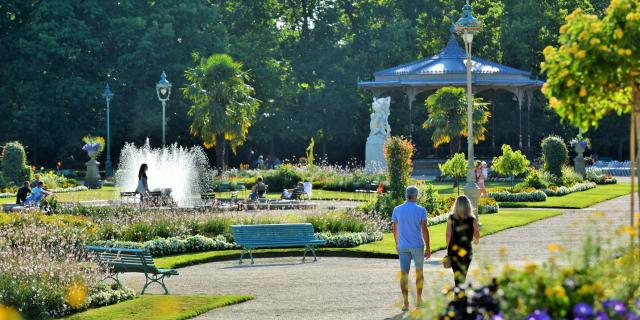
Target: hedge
(167,246)
(505,196)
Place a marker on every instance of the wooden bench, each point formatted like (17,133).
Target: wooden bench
(121,260)
(208,196)
(276,235)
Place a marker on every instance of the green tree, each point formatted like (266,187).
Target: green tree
(510,163)
(14,163)
(223,106)
(456,167)
(398,152)
(448,118)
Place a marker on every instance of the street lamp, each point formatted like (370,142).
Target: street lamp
(467,26)
(163,89)
(107,95)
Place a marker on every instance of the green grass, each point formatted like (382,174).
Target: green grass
(156,307)
(577,200)
(106,193)
(507,218)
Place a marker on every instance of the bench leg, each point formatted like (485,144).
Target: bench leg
(114,277)
(154,278)
(304,254)
(242,255)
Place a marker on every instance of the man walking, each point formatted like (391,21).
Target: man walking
(409,230)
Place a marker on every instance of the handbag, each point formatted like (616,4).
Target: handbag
(446,260)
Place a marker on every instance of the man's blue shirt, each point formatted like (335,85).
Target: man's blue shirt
(408,217)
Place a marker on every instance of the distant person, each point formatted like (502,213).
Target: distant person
(23,192)
(480,178)
(143,186)
(260,162)
(258,190)
(462,228)
(37,194)
(34,183)
(412,242)
(293,194)
(276,162)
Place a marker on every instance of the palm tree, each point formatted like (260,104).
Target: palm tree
(223,106)
(447,109)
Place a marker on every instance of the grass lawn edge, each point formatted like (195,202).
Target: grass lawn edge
(192,306)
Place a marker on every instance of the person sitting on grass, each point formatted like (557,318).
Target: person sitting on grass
(23,192)
(37,194)
(258,190)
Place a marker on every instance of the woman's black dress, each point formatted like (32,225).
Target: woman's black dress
(460,249)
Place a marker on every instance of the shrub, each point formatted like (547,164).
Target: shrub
(596,175)
(554,154)
(535,180)
(456,167)
(14,163)
(382,206)
(349,240)
(510,163)
(430,200)
(398,152)
(570,177)
(488,205)
(283,177)
(504,196)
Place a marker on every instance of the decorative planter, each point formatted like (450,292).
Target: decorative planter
(579,149)
(92,178)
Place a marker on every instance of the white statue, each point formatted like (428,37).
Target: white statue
(379,118)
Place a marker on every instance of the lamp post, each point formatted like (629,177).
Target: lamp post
(467,26)
(163,89)
(107,95)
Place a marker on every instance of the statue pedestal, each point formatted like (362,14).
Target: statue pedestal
(92,178)
(374,154)
(578,165)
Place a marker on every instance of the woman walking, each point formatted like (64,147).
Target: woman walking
(462,228)
(143,187)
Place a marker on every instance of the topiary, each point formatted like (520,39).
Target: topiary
(554,154)
(398,152)
(14,163)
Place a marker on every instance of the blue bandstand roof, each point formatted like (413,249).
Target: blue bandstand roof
(447,68)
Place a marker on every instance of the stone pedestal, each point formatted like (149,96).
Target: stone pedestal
(578,165)
(92,178)
(374,154)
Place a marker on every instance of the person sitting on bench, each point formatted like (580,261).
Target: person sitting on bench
(258,190)
(23,192)
(293,194)
(37,194)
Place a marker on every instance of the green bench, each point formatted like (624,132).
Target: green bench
(251,237)
(121,260)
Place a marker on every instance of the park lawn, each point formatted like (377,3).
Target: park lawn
(160,307)
(447,187)
(578,200)
(105,193)
(491,223)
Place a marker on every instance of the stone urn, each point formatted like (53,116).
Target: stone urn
(92,179)
(579,148)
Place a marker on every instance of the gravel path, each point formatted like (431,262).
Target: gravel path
(359,288)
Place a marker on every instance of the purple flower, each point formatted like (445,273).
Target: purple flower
(616,306)
(91,147)
(538,315)
(600,315)
(582,310)
(631,316)
(497,317)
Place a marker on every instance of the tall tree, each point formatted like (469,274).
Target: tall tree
(448,118)
(222,103)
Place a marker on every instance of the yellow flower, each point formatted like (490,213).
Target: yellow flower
(629,52)
(548,292)
(570,83)
(629,230)
(76,295)
(545,88)
(559,291)
(585,289)
(581,54)
(554,102)
(9,313)
(530,267)
(633,16)
(619,33)
(604,48)
(583,91)
(594,41)
(548,50)
(554,248)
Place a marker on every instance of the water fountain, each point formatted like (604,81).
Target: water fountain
(185,171)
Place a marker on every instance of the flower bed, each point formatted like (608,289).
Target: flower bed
(562,191)
(176,245)
(505,196)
